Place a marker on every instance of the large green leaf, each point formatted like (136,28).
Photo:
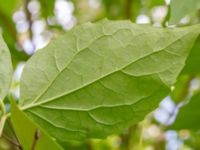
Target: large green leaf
(181,8)
(26,130)
(5,69)
(100,78)
(189,115)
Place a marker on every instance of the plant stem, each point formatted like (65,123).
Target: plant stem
(2,107)
(166,19)
(30,21)
(141,138)
(36,138)
(128,9)
(12,142)
(127,138)
(2,123)
(3,117)
(13,131)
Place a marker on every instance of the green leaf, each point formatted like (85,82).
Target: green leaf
(25,130)
(188,117)
(100,78)
(9,6)
(193,62)
(181,89)
(5,69)
(181,8)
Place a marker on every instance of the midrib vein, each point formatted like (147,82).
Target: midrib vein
(89,83)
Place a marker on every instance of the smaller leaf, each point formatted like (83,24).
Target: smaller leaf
(25,130)
(189,115)
(181,88)
(5,69)
(193,62)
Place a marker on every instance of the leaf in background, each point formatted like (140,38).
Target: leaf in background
(100,78)
(181,89)
(193,62)
(8,6)
(189,115)
(181,8)
(153,3)
(25,130)
(191,69)
(5,69)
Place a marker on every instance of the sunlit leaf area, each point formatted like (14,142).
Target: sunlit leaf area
(99,74)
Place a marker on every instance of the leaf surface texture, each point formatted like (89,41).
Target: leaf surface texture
(100,78)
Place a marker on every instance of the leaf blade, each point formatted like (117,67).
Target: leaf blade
(190,112)
(5,69)
(100,72)
(192,63)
